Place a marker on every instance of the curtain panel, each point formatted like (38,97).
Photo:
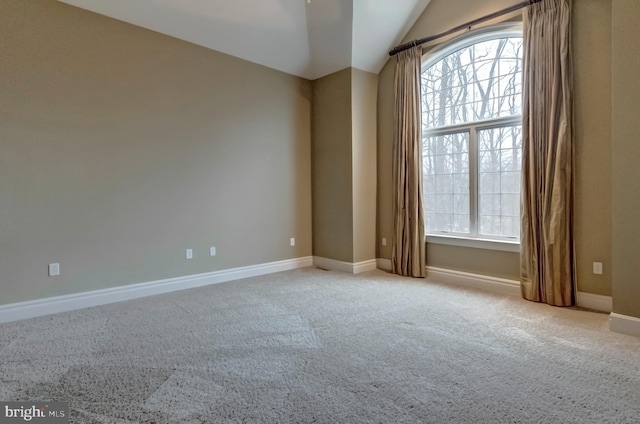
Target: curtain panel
(408,256)
(546,247)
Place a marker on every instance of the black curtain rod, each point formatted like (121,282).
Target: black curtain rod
(410,44)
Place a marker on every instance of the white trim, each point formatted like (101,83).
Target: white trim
(624,324)
(340,266)
(364,266)
(585,300)
(484,33)
(467,279)
(595,302)
(52,305)
(332,264)
(478,243)
(435,55)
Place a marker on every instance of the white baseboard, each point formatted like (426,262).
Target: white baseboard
(467,279)
(460,278)
(595,302)
(52,305)
(364,266)
(351,268)
(585,300)
(624,324)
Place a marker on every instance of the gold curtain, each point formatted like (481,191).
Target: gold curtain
(408,242)
(546,245)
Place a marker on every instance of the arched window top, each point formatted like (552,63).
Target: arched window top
(475,78)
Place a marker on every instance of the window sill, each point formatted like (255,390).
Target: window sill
(477,243)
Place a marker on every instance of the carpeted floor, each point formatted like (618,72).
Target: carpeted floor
(315,346)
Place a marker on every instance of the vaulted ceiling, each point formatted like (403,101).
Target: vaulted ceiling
(308,38)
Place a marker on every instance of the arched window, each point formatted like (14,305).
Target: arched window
(471,132)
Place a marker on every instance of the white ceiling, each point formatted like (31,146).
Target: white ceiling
(308,38)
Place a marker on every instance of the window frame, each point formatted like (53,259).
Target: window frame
(473,239)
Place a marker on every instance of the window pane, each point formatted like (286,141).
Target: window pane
(430,222)
(489,204)
(478,82)
(510,205)
(461,183)
(489,183)
(510,182)
(499,181)
(461,204)
(490,225)
(510,227)
(445,164)
(461,223)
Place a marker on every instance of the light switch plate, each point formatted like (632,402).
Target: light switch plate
(54,270)
(597,268)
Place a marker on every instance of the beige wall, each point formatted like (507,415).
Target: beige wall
(442,15)
(364,94)
(344,165)
(592,108)
(384,152)
(332,167)
(626,156)
(478,261)
(120,148)
(591,32)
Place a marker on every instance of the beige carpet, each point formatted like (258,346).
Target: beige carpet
(314,346)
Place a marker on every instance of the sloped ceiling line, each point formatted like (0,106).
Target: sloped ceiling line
(307,39)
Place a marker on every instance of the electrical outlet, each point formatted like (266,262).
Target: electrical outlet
(189,254)
(597,268)
(212,251)
(54,270)
(292,241)
(384,241)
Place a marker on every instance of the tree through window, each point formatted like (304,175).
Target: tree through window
(472,141)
